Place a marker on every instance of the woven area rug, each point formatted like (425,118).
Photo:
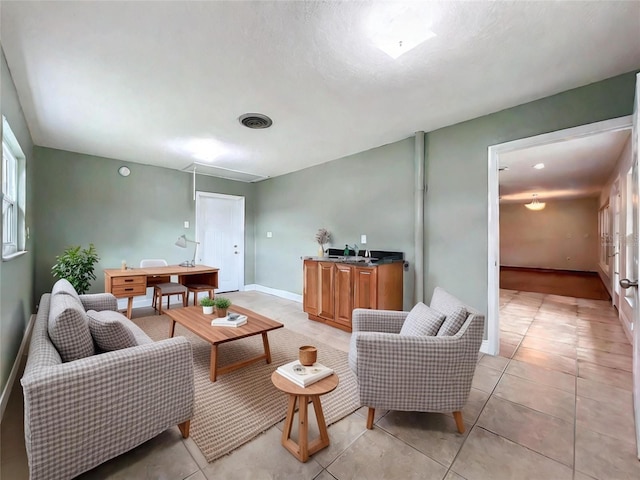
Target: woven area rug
(244,403)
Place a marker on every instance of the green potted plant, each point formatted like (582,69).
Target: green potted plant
(207,304)
(222,303)
(76,264)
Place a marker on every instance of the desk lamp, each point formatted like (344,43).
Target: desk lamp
(182,242)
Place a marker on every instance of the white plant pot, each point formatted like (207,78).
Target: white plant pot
(207,310)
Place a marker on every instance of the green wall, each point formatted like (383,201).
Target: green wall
(369,193)
(82,199)
(16,275)
(456,226)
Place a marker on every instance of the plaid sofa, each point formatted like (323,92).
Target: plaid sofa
(414,373)
(80,413)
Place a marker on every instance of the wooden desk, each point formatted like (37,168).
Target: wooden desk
(133,281)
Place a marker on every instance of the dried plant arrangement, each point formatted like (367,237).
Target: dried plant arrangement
(323,236)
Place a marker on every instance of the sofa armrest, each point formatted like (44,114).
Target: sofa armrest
(99,301)
(81,413)
(388,321)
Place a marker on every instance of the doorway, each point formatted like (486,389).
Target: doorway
(220,233)
(492,344)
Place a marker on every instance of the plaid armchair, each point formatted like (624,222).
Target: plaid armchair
(414,373)
(80,413)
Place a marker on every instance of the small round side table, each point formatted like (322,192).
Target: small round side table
(301,395)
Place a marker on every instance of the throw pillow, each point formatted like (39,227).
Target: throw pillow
(453,322)
(64,286)
(68,328)
(109,332)
(422,320)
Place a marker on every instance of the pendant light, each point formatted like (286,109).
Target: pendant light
(535,204)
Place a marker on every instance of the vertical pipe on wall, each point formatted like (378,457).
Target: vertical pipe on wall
(419,216)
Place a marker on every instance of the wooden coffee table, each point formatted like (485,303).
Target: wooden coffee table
(193,319)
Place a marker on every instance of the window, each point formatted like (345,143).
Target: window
(13,193)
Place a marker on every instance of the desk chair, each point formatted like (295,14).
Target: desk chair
(163,286)
(197,288)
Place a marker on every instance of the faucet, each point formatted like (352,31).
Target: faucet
(355,248)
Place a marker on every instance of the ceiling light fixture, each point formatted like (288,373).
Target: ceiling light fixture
(539,166)
(535,205)
(397,28)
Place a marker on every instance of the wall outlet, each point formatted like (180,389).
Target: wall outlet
(269,234)
(363,239)
(186,224)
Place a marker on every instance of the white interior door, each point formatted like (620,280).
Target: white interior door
(636,253)
(220,231)
(630,284)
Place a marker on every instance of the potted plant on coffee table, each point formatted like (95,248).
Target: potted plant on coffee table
(222,303)
(207,304)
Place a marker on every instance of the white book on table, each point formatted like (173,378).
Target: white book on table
(301,375)
(231,320)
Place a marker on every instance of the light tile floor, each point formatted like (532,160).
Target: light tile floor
(557,404)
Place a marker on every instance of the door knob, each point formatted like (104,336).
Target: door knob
(626,283)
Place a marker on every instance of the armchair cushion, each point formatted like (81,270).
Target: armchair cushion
(453,322)
(68,328)
(422,320)
(64,286)
(109,332)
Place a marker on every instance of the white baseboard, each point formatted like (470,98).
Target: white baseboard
(8,387)
(273,291)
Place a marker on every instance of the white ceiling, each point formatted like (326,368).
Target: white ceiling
(576,168)
(163,83)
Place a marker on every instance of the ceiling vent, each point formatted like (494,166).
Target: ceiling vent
(255,120)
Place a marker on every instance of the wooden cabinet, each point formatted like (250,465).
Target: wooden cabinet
(129,286)
(326,281)
(310,297)
(332,290)
(343,295)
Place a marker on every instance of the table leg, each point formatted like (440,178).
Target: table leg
(303,428)
(172,327)
(214,363)
(265,343)
(288,422)
(322,426)
(129,306)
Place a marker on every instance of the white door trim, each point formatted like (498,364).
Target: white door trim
(494,152)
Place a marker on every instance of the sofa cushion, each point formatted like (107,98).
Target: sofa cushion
(453,322)
(68,328)
(113,331)
(64,286)
(422,320)
(444,302)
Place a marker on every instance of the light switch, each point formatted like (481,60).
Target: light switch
(269,234)
(363,239)
(186,224)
